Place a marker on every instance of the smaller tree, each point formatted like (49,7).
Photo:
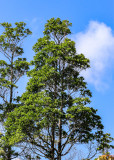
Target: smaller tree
(94,148)
(12,68)
(105,145)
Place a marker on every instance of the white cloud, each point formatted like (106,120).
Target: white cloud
(34,26)
(97,44)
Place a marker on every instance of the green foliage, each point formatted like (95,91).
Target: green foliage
(105,141)
(55,113)
(12,68)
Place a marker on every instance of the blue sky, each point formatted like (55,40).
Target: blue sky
(92,30)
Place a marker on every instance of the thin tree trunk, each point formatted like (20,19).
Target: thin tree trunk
(9,154)
(11,89)
(59,143)
(60,121)
(52,143)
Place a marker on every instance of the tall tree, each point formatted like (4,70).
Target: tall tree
(11,69)
(54,115)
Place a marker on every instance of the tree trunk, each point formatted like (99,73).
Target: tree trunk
(9,152)
(59,143)
(52,143)
(60,121)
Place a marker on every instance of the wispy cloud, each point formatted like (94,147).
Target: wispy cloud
(97,43)
(34,26)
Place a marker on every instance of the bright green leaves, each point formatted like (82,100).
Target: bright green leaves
(41,43)
(20,67)
(2,63)
(11,38)
(18,32)
(84,119)
(105,141)
(2,152)
(63,60)
(57,29)
(10,47)
(30,119)
(3,69)
(21,64)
